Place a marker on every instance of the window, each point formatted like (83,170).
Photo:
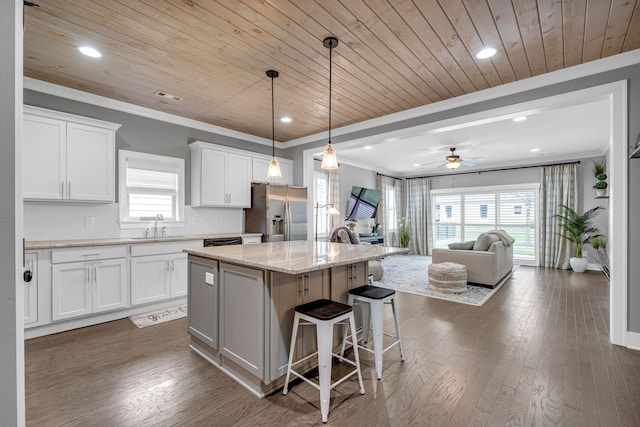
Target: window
(390,206)
(150,185)
(469,212)
(321,195)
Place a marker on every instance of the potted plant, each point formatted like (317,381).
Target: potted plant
(601,179)
(599,244)
(578,229)
(403,233)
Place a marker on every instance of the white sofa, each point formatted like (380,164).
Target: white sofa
(484,267)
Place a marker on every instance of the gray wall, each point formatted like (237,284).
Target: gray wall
(630,73)
(350,176)
(144,134)
(11,335)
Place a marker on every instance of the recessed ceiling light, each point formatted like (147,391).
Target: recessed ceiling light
(285,119)
(520,119)
(89,51)
(485,53)
(416,164)
(367,147)
(534,150)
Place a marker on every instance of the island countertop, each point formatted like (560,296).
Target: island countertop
(294,257)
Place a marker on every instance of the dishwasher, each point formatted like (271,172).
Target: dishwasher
(223,241)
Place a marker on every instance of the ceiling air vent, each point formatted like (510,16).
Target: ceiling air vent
(168,95)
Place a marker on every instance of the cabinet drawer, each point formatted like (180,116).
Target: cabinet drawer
(89,253)
(160,248)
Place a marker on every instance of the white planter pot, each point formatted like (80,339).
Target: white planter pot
(579,265)
(601,193)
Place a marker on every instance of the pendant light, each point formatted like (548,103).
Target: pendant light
(329,159)
(274,165)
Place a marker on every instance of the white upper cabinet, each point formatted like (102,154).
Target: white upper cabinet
(220,176)
(67,157)
(261,168)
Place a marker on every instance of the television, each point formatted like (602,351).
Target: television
(363,203)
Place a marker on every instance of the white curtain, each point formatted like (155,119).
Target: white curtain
(558,186)
(389,208)
(334,197)
(416,196)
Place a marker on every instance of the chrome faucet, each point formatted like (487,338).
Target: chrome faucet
(159,217)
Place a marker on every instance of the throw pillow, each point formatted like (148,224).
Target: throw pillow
(484,241)
(462,245)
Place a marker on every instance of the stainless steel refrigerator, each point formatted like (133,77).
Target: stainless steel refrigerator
(278,212)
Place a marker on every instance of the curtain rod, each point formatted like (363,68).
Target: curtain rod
(577,162)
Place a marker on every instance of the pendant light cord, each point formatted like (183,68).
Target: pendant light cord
(273,123)
(330,72)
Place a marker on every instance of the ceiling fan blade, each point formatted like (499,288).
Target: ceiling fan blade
(474,158)
(466,163)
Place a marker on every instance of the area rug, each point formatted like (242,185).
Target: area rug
(408,273)
(159,316)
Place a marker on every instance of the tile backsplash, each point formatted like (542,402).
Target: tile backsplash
(55,221)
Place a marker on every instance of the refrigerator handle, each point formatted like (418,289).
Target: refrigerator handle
(287,221)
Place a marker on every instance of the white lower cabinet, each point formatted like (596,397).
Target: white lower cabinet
(159,271)
(81,288)
(158,277)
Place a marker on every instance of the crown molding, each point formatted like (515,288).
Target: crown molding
(126,107)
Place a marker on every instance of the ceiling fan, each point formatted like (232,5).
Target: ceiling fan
(453,161)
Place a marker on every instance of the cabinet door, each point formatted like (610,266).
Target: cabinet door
(43,158)
(150,277)
(70,290)
(203,301)
(90,163)
(212,179)
(239,180)
(179,275)
(260,168)
(288,291)
(31,289)
(242,331)
(109,285)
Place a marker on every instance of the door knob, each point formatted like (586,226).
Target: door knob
(27,276)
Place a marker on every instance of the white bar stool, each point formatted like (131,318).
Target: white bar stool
(324,314)
(375,297)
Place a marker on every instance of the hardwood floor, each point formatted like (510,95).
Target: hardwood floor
(537,353)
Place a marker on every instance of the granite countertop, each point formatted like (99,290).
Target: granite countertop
(296,256)
(57,244)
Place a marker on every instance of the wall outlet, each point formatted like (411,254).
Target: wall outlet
(89,221)
(209,278)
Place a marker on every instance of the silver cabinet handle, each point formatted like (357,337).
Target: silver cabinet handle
(300,278)
(62,189)
(173,264)
(69,190)
(307,284)
(168,265)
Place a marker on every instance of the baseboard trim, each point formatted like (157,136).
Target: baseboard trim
(632,340)
(81,322)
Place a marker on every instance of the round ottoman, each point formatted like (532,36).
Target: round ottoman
(375,269)
(448,277)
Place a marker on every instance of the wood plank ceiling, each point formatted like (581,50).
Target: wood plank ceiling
(393,54)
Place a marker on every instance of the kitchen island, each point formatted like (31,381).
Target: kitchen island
(241,301)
